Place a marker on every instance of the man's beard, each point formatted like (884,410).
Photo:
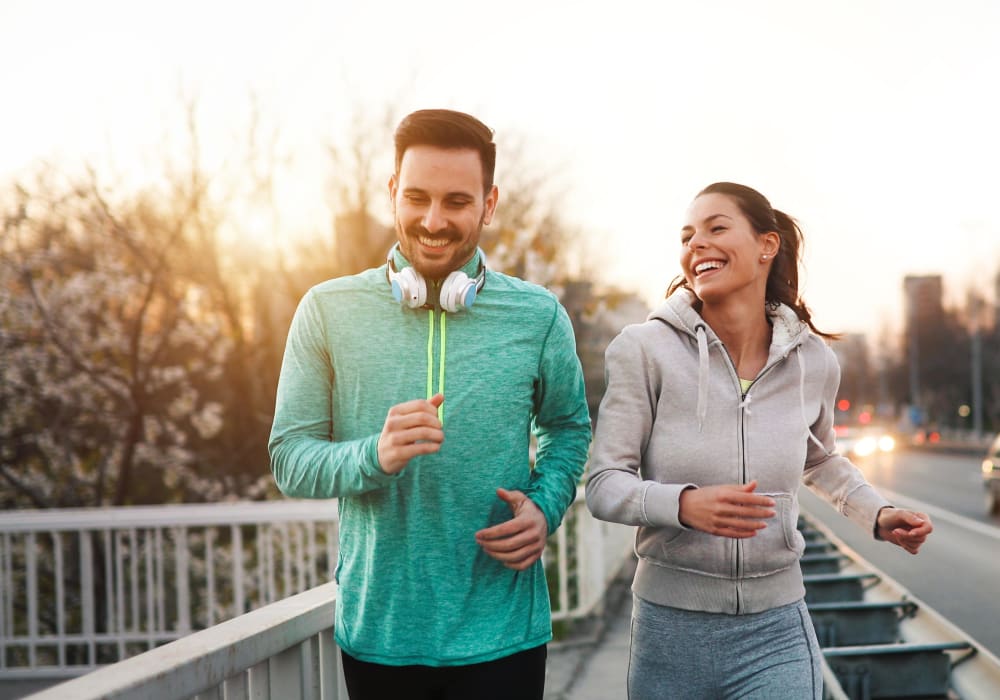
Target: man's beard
(411,234)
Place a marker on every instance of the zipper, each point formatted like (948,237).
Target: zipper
(741,436)
(441,356)
(743,480)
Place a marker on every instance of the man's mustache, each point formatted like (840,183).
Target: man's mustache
(451,233)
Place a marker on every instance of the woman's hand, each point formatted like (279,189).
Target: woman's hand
(905,528)
(727,510)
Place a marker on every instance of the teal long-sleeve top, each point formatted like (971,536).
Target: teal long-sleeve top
(414,586)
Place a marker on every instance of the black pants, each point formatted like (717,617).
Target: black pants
(520,676)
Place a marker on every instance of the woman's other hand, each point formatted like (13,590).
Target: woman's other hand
(905,528)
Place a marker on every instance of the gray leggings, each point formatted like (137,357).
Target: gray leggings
(685,655)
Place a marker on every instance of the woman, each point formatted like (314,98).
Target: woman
(716,407)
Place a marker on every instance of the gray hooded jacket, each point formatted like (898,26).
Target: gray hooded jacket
(674,416)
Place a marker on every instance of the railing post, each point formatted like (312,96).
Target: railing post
(87,593)
(313,557)
(209,576)
(6,598)
(259,678)
(286,673)
(270,593)
(331,559)
(161,583)
(31,564)
(581,549)
(563,569)
(237,535)
(236,688)
(60,599)
(300,560)
(133,558)
(182,580)
(109,594)
(286,561)
(331,676)
(119,598)
(261,564)
(596,560)
(310,668)
(150,583)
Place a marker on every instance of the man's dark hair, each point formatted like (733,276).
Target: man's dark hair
(445,128)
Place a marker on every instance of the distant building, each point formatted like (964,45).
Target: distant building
(856,376)
(923,303)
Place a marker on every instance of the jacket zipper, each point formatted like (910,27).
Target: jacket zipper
(436,349)
(738,559)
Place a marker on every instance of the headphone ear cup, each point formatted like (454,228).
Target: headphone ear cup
(409,288)
(458,292)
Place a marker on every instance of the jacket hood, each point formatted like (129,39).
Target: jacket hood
(678,311)
(788,333)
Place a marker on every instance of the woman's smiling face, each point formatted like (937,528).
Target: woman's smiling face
(721,253)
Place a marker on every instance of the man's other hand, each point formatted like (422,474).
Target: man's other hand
(519,542)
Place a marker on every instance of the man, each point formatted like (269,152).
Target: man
(442,517)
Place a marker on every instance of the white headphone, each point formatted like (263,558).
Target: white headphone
(458,291)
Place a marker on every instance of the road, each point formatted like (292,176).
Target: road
(958,570)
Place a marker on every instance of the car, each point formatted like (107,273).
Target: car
(991,477)
(854,442)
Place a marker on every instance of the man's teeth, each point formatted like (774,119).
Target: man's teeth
(433,242)
(710,265)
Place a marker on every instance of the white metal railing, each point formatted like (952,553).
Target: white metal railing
(286,649)
(81,588)
(283,650)
(582,558)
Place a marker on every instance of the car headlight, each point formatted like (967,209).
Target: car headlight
(987,466)
(887,443)
(865,446)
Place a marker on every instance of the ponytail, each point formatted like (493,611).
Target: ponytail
(783,280)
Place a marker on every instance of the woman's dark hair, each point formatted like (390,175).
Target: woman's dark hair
(445,128)
(783,280)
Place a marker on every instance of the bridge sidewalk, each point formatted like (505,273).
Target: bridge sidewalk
(592,663)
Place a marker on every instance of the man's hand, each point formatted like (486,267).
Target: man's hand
(410,429)
(519,542)
(728,510)
(905,528)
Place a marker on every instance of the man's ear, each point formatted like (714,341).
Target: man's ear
(490,204)
(392,190)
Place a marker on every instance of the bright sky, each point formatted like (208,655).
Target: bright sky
(874,122)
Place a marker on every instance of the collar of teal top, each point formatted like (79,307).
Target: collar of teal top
(470,268)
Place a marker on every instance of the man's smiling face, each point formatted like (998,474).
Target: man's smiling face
(439,207)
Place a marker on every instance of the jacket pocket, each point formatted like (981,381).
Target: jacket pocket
(650,541)
(687,550)
(779,545)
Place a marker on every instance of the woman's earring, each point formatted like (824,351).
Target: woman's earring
(764,257)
